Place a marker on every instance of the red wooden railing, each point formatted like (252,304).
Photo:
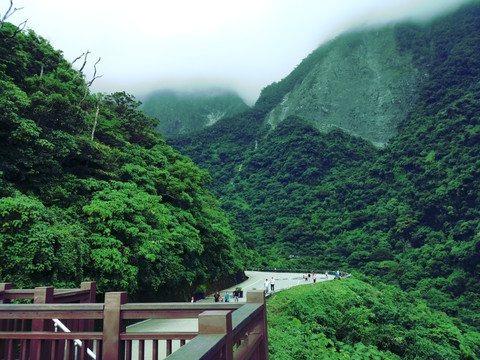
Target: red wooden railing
(225,330)
(29,346)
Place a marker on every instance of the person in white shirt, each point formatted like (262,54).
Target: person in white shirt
(267,286)
(272,284)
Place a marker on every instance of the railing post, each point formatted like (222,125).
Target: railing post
(258,296)
(42,295)
(3,288)
(92,287)
(88,325)
(112,326)
(218,322)
(4,324)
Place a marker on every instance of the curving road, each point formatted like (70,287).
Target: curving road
(283,280)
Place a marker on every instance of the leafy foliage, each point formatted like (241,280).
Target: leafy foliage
(111,203)
(356,320)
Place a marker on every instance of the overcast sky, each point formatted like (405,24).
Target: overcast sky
(245,45)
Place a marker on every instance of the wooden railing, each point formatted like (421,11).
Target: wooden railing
(225,330)
(48,294)
(26,345)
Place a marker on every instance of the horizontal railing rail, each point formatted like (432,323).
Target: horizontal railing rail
(141,311)
(85,294)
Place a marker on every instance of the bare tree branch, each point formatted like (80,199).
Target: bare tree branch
(84,55)
(84,94)
(7,14)
(11,10)
(73,62)
(99,100)
(20,28)
(95,76)
(95,73)
(84,61)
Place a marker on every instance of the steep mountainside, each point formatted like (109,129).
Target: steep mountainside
(407,213)
(364,83)
(184,112)
(367,82)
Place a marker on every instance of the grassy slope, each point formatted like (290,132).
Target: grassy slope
(354,319)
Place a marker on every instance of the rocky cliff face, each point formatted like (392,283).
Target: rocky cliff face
(364,84)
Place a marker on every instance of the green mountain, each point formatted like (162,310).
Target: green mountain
(90,191)
(307,195)
(367,83)
(185,112)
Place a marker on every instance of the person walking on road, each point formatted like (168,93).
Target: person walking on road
(266,284)
(272,284)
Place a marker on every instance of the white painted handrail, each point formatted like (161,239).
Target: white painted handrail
(77,342)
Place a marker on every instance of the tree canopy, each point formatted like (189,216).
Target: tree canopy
(98,195)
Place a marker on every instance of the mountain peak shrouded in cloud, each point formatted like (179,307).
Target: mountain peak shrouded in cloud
(245,46)
(189,110)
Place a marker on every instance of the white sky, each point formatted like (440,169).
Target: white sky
(245,45)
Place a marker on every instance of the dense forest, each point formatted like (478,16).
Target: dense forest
(406,213)
(89,191)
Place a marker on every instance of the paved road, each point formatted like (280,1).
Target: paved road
(283,280)
(255,281)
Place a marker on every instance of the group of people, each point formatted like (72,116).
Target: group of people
(314,276)
(235,294)
(269,285)
(311,275)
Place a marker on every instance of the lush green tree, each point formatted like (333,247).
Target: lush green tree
(89,191)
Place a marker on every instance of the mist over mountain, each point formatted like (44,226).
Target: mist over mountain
(90,191)
(301,174)
(182,112)
(366,83)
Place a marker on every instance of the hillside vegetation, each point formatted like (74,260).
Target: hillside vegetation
(89,191)
(407,213)
(351,319)
(182,112)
